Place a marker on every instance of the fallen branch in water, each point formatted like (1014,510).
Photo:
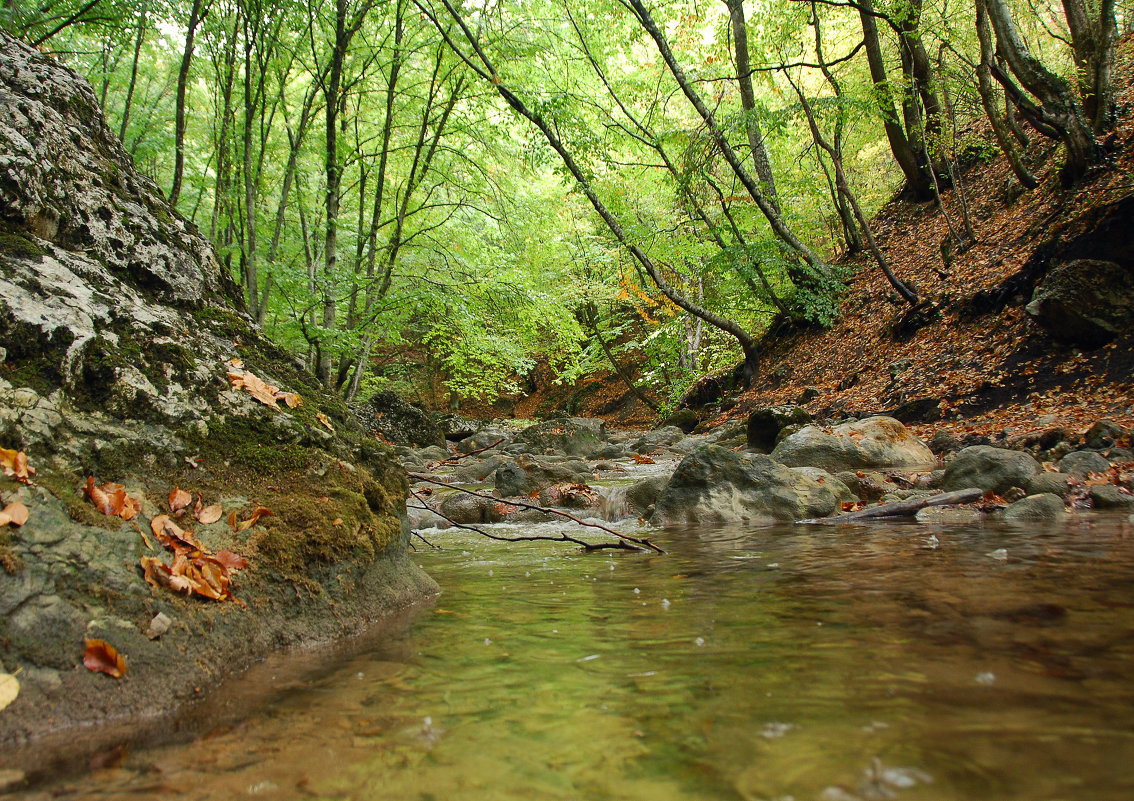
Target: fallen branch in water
(626,542)
(907,508)
(452,459)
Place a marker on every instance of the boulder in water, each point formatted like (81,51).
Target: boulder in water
(991,469)
(874,442)
(530,474)
(715,485)
(573,436)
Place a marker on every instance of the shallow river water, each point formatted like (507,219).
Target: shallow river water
(829,664)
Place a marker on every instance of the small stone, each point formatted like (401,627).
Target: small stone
(159,625)
(24,398)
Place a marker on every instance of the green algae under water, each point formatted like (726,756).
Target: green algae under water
(867,662)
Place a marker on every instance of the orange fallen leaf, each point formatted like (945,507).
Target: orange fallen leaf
(292,399)
(172,536)
(111,499)
(16,513)
(15,464)
(257,513)
(210,514)
(179,499)
(232,561)
(338,521)
(322,418)
(102,657)
(639,459)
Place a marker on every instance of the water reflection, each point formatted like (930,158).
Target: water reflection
(834,664)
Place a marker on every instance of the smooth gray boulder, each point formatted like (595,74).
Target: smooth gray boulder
(874,442)
(1108,496)
(991,469)
(1086,301)
(486,437)
(641,495)
(1036,508)
(460,507)
(1081,463)
(867,486)
(843,493)
(715,485)
(530,474)
(1052,483)
(574,436)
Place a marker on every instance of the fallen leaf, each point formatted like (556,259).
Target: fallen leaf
(639,459)
(255,386)
(292,399)
(338,521)
(102,657)
(9,689)
(172,536)
(322,418)
(210,514)
(15,463)
(232,561)
(257,513)
(179,499)
(232,519)
(4,519)
(111,499)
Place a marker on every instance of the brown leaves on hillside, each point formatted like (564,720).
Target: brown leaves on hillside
(15,465)
(111,499)
(259,389)
(102,657)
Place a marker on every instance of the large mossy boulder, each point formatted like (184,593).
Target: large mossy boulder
(126,356)
(398,421)
(716,485)
(572,436)
(991,469)
(871,443)
(1086,302)
(530,474)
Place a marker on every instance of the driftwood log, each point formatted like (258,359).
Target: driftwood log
(907,508)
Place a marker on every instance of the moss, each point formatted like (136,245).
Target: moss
(223,323)
(68,489)
(250,444)
(19,244)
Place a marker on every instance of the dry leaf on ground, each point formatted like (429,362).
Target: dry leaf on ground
(102,657)
(322,418)
(15,464)
(9,689)
(111,499)
(179,499)
(210,514)
(257,513)
(16,514)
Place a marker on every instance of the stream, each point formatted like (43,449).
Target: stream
(890,661)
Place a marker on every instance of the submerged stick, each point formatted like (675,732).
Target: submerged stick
(907,508)
(641,543)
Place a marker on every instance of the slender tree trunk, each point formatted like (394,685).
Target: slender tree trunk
(227,78)
(133,73)
(195,17)
(748,101)
(592,320)
(332,91)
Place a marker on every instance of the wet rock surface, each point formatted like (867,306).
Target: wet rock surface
(874,442)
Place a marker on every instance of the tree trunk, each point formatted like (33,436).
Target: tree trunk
(917,178)
(332,90)
(748,101)
(1060,107)
(988,100)
(133,73)
(195,17)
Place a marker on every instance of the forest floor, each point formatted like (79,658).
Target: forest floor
(987,365)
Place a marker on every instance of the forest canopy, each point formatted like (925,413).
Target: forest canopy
(436,196)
